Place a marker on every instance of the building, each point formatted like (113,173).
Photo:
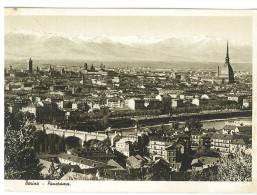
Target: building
(240,130)
(221,143)
(157,147)
(30,66)
(135,103)
(135,162)
(31,108)
(175,103)
(229,129)
(247,103)
(83,163)
(245,130)
(225,72)
(196,101)
(204,162)
(115,102)
(237,146)
(123,146)
(170,155)
(195,140)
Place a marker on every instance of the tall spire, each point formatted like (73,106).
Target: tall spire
(30,66)
(227,55)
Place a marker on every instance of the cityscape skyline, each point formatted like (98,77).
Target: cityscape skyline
(87,98)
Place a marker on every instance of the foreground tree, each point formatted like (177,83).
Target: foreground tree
(235,168)
(20,160)
(209,174)
(230,168)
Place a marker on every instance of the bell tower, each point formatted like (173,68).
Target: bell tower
(30,66)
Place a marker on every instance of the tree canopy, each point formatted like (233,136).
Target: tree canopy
(20,160)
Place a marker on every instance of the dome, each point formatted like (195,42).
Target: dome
(204,96)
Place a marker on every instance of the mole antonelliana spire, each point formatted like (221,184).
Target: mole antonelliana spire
(225,72)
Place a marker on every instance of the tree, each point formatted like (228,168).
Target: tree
(55,172)
(175,125)
(229,169)
(235,168)
(209,174)
(20,160)
(194,124)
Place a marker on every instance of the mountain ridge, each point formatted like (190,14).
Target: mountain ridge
(24,45)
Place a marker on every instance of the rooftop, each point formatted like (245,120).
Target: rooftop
(80,160)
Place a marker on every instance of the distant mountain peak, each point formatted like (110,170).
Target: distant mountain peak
(167,48)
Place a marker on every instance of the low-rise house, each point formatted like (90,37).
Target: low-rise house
(247,103)
(13,108)
(114,102)
(93,154)
(59,104)
(196,101)
(189,96)
(123,146)
(175,103)
(229,129)
(204,162)
(182,96)
(31,108)
(135,162)
(239,130)
(152,103)
(237,146)
(58,88)
(48,168)
(74,106)
(144,104)
(83,163)
(115,165)
(245,130)
(235,98)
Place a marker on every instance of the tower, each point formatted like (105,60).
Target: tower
(85,66)
(92,68)
(83,79)
(62,71)
(30,66)
(225,72)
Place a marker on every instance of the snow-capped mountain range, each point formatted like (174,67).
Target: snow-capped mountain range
(22,45)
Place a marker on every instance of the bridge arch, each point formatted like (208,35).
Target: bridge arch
(73,142)
(40,138)
(54,143)
(81,136)
(95,143)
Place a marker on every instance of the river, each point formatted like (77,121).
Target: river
(219,123)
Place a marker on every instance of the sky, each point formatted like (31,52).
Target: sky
(237,28)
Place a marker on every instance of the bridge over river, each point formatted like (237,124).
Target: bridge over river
(66,133)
